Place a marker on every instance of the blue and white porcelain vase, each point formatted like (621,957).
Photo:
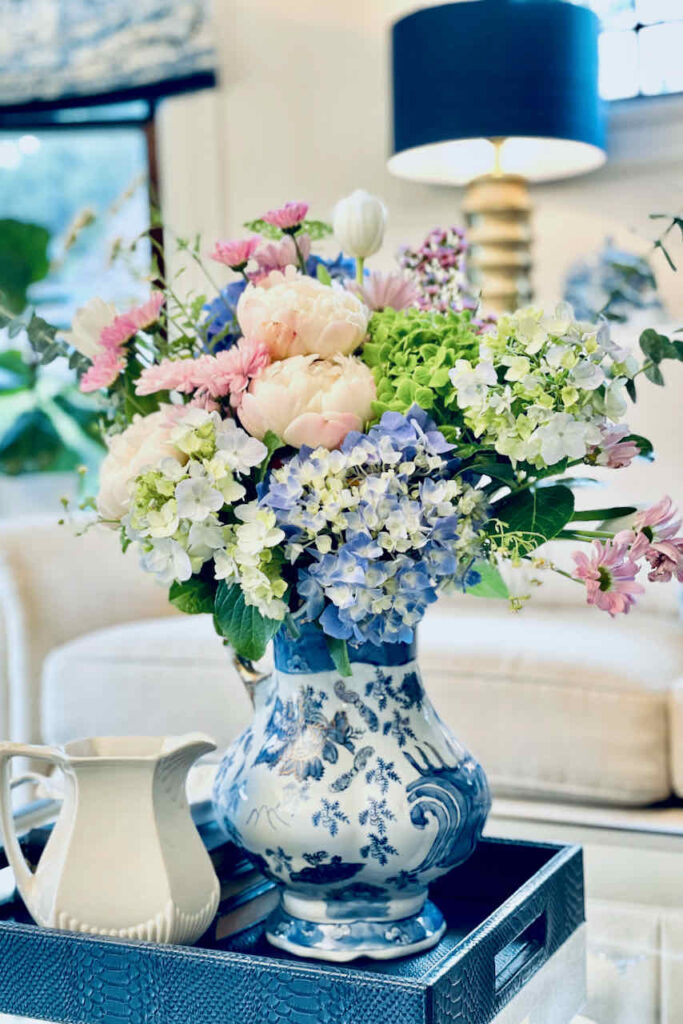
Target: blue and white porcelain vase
(353,795)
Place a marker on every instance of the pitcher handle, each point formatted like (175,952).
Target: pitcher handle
(15,856)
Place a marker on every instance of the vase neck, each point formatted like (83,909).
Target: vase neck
(308,653)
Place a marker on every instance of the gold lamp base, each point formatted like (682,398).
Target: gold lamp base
(497,212)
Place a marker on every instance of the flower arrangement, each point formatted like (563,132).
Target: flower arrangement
(319,443)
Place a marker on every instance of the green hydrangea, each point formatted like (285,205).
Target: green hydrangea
(411,353)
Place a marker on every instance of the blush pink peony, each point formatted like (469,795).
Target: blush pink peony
(142,445)
(326,321)
(307,400)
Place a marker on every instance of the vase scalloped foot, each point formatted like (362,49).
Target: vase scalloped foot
(345,940)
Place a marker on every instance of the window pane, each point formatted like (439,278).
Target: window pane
(650,11)
(661,67)
(618,65)
(49,177)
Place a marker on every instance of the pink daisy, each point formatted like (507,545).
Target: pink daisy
(106,367)
(237,253)
(609,574)
(654,539)
(386,291)
(287,217)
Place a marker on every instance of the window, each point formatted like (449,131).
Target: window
(73,164)
(640,47)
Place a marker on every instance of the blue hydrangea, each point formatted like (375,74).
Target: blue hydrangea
(376,529)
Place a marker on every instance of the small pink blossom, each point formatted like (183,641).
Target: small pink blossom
(288,216)
(613,451)
(609,573)
(278,255)
(168,375)
(386,291)
(105,369)
(237,253)
(126,325)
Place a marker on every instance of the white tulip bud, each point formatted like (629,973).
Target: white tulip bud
(358,222)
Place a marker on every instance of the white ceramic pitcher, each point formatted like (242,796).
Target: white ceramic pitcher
(124,858)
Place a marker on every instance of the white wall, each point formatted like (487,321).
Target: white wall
(303,112)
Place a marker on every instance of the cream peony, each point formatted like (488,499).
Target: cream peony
(307,400)
(326,321)
(88,323)
(141,446)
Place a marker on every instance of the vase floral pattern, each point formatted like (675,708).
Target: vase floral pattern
(354,796)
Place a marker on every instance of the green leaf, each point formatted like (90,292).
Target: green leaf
(654,374)
(23,260)
(539,514)
(316,229)
(272,443)
(339,652)
(194,597)
(657,346)
(631,389)
(323,274)
(15,372)
(594,515)
(645,446)
(491,583)
(246,630)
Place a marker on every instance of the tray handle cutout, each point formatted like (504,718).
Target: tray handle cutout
(513,961)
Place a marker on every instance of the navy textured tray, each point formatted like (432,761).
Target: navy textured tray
(509,908)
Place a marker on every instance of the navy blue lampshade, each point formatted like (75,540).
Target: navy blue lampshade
(521,70)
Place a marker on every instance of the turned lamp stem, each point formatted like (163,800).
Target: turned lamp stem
(497,212)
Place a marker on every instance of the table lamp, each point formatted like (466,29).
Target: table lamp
(493,94)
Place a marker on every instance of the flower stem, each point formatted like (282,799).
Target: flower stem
(299,255)
(360,265)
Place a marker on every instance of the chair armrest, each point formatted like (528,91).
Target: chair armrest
(54,587)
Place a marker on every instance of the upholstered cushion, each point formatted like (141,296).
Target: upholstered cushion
(559,704)
(555,704)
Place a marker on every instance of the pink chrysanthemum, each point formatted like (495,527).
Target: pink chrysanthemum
(613,451)
(229,372)
(237,253)
(106,367)
(386,291)
(288,216)
(168,375)
(609,574)
(126,325)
